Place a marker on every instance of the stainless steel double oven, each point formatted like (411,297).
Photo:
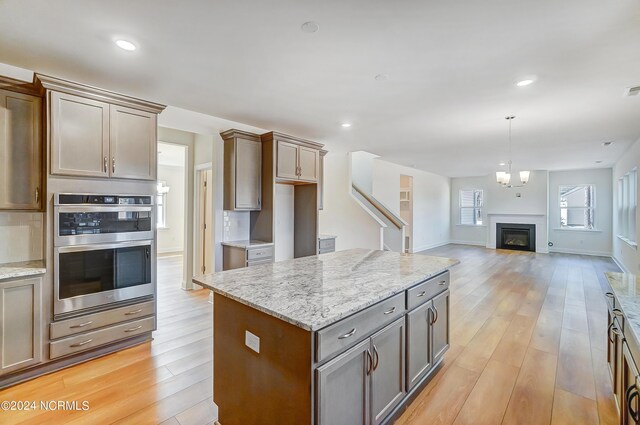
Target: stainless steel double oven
(104,251)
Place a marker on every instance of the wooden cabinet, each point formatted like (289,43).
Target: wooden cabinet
(20,151)
(20,321)
(630,409)
(297,162)
(96,133)
(364,384)
(321,181)
(242,171)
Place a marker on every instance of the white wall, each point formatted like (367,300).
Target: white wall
(342,216)
(362,170)
(497,200)
(625,255)
(596,242)
(431,201)
(171,238)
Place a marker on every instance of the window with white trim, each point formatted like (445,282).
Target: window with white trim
(577,207)
(471,201)
(627,205)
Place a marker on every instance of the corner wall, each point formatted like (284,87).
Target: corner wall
(624,254)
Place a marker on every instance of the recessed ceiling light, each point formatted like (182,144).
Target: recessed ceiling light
(524,82)
(346,125)
(607,143)
(381,77)
(126,45)
(310,27)
(598,162)
(502,163)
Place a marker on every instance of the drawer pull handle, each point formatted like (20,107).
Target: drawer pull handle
(133,329)
(80,344)
(391,310)
(442,282)
(348,334)
(609,294)
(617,312)
(130,313)
(81,325)
(421,294)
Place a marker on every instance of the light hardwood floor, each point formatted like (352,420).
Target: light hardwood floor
(527,347)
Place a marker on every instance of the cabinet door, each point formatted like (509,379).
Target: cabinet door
(617,336)
(611,349)
(440,326)
(20,306)
(79,136)
(342,388)
(287,161)
(388,376)
(20,151)
(133,143)
(629,410)
(309,163)
(248,174)
(418,344)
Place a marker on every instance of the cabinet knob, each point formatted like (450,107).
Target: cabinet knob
(113,164)
(37,195)
(106,162)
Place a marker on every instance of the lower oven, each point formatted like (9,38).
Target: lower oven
(97,275)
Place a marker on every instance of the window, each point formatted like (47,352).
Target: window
(471,207)
(161,205)
(577,207)
(627,204)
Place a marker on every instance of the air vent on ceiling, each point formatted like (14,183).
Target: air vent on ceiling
(632,91)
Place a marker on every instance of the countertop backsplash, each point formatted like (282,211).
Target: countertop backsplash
(21,236)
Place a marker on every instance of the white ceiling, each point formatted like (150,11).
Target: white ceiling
(452,66)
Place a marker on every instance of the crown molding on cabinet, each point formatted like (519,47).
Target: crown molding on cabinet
(34,88)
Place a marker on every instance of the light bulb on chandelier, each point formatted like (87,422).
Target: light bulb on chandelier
(504,177)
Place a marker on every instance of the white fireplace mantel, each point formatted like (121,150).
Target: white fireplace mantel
(540,221)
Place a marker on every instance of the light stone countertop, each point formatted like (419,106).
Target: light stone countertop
(316,291)
(21,269)
(323,237)
(626,288)
(247,244)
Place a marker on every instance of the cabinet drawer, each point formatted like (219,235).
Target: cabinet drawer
(260,261)
(341,335)
(98,320)
(93,339)
(327,245)
(260,253)
(426,290)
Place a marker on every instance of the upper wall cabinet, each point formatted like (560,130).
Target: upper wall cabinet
(20,151)
(297,160)
(242,171)
(96,133)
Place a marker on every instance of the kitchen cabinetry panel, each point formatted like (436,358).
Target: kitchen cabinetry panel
(440,326)
(20,321)
(242,171)
(308,163)
(20,151)
(79,136)
(418,344)
(388,371)
(132,143)
(630,410)
(287,161)
(343,388)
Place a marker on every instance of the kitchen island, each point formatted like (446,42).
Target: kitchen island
(342,338)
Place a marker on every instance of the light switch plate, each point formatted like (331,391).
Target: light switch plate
(252,341)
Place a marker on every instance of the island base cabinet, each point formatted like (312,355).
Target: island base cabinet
(364,384)
(440,326)
(418,344)
(629,412)
(20,313)
(343,388)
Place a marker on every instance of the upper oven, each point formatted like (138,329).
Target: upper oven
(81,219)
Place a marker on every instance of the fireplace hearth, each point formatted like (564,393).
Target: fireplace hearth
(519,237)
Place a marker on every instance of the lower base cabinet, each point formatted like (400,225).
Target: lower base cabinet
(20,317)
(364,384)
(631,402)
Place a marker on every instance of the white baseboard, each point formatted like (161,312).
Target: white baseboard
(430,246)
(580,252)
(619,264)
(474,243)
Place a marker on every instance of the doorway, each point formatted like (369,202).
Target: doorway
(406,210)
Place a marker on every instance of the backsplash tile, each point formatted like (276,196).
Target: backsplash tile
(21,237)
(235,226)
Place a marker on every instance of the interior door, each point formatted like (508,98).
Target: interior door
(287,161)
(133,143)
(207,245)
(440,325)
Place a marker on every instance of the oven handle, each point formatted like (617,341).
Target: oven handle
(98,246)
(104,208)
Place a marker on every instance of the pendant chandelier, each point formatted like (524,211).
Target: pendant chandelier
(504,178)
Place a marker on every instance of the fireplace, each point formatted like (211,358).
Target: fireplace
(520,237)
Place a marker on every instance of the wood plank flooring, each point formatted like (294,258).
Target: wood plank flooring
(527,347)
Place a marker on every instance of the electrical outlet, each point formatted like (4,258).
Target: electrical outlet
(252,341)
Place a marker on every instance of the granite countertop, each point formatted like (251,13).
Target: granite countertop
(626,288)
(322,237)
(316,291)
(247,244)
(24,268)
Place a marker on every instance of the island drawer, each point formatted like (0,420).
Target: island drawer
(426,290)
(260,253)
(338,337)
(260,261)
(327,245)
(97,320)
(104,336)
